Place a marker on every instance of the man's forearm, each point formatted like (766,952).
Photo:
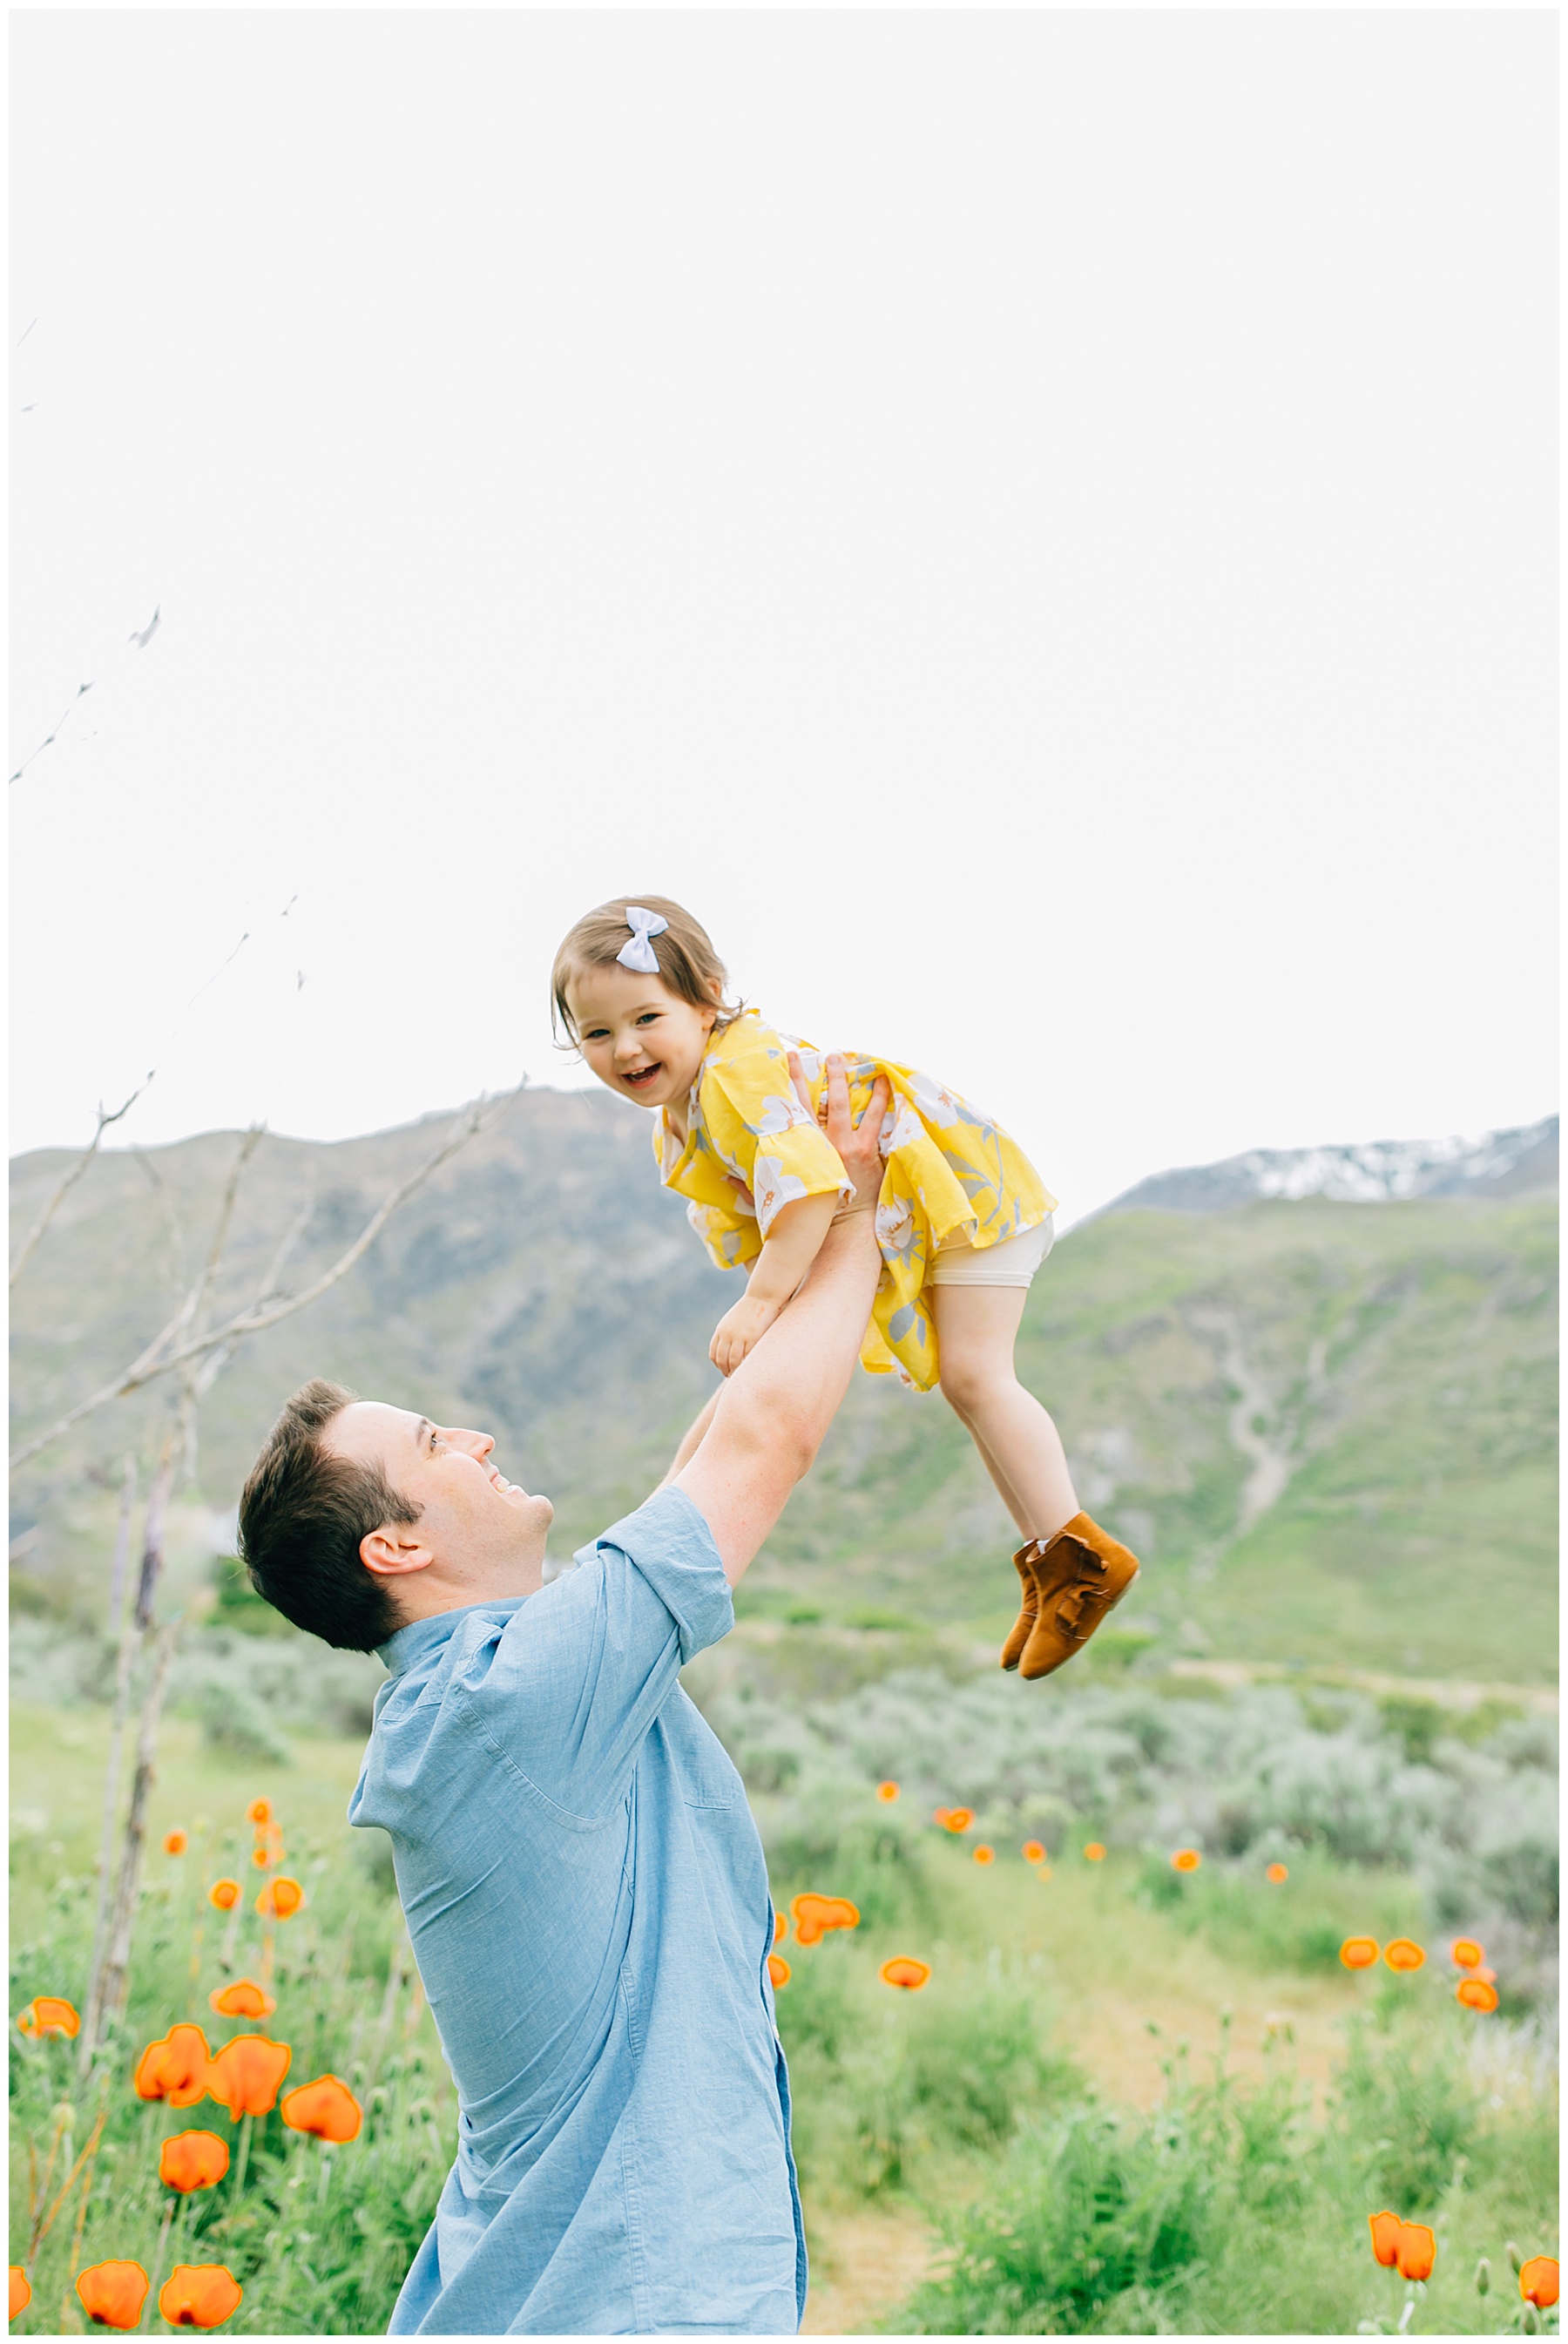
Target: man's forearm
(800,1371)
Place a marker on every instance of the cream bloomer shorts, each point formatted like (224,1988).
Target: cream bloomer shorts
(1013,1262)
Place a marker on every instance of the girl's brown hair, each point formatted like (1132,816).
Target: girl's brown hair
(687,964)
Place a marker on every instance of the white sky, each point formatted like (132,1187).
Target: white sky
(1039,527)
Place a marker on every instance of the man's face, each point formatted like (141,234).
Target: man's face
(477,1531)
(640,1038)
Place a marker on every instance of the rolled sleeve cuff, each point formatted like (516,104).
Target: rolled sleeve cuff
(667,1541)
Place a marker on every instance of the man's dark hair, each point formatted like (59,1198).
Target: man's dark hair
(301,1518)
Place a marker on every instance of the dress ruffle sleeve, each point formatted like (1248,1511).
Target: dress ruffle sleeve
(758,1129)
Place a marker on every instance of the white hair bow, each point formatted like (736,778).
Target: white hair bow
(639,952)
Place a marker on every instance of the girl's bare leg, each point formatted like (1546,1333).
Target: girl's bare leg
(1019,1444)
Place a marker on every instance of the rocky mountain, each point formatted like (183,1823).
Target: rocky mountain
(1516,1162)
(1327,1425)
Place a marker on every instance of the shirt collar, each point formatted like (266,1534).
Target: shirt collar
(422,1639)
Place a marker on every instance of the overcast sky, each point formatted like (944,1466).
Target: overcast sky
(1038,527)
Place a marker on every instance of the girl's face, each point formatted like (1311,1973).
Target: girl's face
(640,1039)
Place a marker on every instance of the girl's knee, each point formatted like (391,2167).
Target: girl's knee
(968,1382)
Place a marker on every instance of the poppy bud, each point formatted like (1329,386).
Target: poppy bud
(1483,2277)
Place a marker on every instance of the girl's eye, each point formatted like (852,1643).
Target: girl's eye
(647,1016)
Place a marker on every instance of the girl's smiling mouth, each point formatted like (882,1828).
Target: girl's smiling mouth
(642,1074)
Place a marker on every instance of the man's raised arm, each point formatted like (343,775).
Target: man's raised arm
(771,1416)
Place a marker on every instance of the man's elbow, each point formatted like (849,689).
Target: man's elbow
(782,1438)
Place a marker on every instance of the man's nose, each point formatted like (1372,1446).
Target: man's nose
(472,1444)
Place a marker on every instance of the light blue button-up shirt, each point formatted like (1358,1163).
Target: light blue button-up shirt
(589,1906)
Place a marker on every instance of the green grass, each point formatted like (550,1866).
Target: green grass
(987,2101)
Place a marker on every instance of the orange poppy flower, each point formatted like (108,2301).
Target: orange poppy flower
(261,1857)
(779,1969)
(224,1894)
(1489,1976)
(781,1926)
(1359,1953)
(259,1812)
(199,2295)
(247,2072)
(905,1972)
(192,2160)
(21,2293)
(174,2068)
(814,1915)
(1403,1953)
(280,1899)
(114,2293)
(940,1814)
(49,2013)
(1417,2251)
(1475,1994)
(327,2108)
(1467,1954)
(176,1843)
(1278,1874)
(985,1855)
(1186,1859)
(1385,2230)
(243,1999)
(1094,1853)
(1032,1852)
(1537,2281)
(888,1791)
(959,1819)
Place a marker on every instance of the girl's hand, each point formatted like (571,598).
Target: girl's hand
(741,1330)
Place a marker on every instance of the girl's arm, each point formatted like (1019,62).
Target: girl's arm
(791,1246)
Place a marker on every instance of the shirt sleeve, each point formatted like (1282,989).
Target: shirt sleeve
(766,1134)
(569,1690)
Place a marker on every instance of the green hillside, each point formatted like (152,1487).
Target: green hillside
(1329,1428)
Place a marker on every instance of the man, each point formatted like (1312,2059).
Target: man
(582,1880)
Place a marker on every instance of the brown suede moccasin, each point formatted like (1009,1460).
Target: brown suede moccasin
(1076,1577)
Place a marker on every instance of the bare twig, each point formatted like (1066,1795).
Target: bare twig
(35,1236)
(117,1961)
(160,1359)
(130,1638)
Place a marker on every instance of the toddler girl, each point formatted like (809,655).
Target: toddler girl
(963,1222)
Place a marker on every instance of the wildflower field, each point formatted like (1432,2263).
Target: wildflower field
(1097,2052)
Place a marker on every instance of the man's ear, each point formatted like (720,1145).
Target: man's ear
(392,1551)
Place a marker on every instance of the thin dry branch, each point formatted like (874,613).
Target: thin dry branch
(34,1236)
(166,1353)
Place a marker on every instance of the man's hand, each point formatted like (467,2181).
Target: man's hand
(738,1331)
(858,1142)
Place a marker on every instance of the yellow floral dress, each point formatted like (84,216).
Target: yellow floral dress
(949,1171)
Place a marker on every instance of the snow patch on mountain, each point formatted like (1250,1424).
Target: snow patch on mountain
(1382,1171)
